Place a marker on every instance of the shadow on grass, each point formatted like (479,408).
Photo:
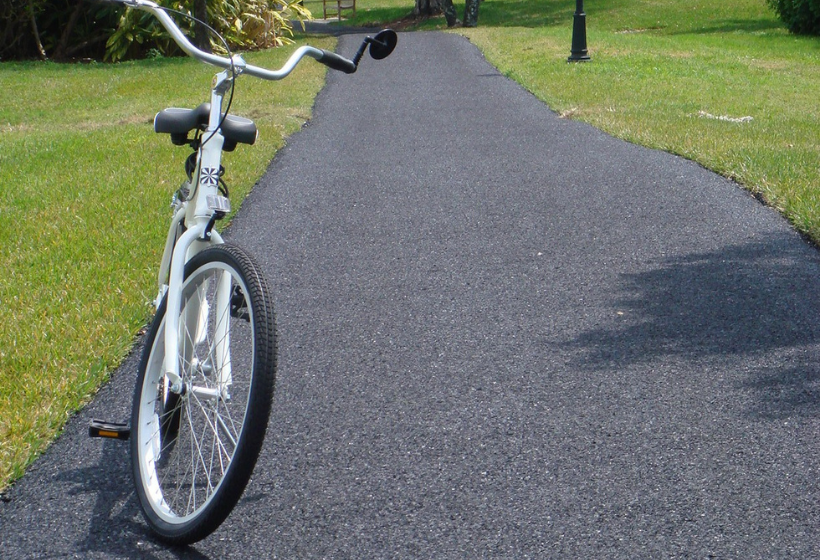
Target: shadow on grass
(735,26)
(495,13)
(613,15)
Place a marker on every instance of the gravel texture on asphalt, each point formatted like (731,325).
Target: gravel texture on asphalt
(503,334)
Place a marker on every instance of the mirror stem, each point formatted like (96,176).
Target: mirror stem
(360,53)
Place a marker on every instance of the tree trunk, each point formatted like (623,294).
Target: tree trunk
(471,13)
(36,32)
(428,7)
(97,39)
(449,12)
(62,44)
(435,7)
(201,37)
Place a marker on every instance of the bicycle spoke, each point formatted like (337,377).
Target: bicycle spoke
(213,429)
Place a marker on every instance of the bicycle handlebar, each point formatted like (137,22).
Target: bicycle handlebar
(336,62)
(329,59)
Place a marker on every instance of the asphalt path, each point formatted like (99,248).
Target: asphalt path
(503,334)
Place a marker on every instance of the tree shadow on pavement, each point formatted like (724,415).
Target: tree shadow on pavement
(752,305)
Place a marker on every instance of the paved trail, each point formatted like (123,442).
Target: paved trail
(503,335)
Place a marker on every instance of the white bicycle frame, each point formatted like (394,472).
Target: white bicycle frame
(197,212)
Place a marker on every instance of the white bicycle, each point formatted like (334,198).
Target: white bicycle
(200,411)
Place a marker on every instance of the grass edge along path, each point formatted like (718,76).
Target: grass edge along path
(747,115)
(85,186)
(722,84)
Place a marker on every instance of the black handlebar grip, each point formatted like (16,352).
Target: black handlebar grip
(333,60)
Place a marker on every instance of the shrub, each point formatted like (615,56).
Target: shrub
(800,16)
(55,29)
(71,29)
(243,23)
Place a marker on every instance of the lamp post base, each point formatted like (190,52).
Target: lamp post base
(579,52)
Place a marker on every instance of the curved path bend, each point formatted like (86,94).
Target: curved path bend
(503,335)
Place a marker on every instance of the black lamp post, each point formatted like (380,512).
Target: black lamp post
(579,34)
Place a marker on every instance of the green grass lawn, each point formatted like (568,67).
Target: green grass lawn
(84,183)
(85,190)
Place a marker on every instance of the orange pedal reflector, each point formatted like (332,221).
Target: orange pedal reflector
(109,430)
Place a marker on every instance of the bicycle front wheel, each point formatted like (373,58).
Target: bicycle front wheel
(192,453)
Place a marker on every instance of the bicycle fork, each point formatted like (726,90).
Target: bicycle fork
(196,313)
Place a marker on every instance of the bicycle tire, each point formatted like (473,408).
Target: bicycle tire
(192,454)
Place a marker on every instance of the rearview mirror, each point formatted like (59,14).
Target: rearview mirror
(383,44)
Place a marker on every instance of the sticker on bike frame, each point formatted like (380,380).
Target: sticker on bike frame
(219,203)
(209,176)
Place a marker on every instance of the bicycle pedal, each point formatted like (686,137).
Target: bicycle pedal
(108,430)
